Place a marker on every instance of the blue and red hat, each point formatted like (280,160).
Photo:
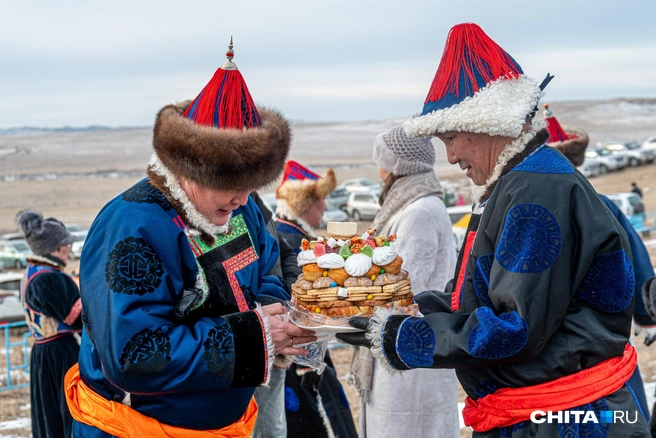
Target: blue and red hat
(571,143)
(300,187)
(221,139)
(478,88)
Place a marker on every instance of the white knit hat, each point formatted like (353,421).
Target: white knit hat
(395,152)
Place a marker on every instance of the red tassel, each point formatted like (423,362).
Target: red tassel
(225,102)
(469,50)
(556,132)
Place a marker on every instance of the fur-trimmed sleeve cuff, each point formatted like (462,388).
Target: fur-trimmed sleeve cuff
(649,298)
(253,348)
(405,342)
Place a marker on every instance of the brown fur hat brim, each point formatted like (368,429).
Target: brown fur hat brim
(573,149)
(224,159)
(300,194)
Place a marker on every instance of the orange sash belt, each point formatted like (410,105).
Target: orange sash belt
(120,420)
(509,406)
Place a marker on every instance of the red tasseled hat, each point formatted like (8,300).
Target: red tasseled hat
(571,143)
(221,139)
(300,187)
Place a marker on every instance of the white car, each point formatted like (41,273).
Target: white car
(11,308)
(649,143)
(636,154)
(607,160)
(76,247)
(626,201)
(362,206)
(590,168)
(360,185)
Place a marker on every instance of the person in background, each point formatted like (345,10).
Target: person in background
(52,305)
(301,202)
(572,145)
(538,315)
(635,189)
(174,279)
(271,421)
(421,403)
(300,206)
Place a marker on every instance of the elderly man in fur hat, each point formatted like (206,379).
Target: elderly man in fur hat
(173,273)
(537,318)
(300,202)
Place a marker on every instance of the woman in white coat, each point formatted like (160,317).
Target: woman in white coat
(422,402)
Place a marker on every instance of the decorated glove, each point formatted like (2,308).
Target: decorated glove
(358,339)
(650,333)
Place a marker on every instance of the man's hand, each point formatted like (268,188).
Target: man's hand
(284,334)
(358,339)
(650,333)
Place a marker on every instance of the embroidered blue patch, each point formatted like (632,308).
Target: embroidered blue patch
(415,343)
(292,403)
(545,160)
(220,351)
(530,241)
(482,279)
(485,387)
(507,432)
(496,337)
(609,283)
(588,429)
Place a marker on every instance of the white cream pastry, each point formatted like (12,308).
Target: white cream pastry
(330,261)
(357,265)
(306,257)
(384,255)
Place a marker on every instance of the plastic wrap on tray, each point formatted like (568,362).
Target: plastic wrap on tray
(326,327)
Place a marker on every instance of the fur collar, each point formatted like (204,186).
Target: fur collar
(51,261)
(166,182)
(510,157)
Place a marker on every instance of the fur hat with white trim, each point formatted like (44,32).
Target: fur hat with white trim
(300,187)
(478,88)
(221,140)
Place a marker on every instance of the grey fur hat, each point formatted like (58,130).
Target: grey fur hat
(649,296)
(44,236)
(395,152)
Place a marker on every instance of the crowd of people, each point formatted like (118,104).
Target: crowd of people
(185,277)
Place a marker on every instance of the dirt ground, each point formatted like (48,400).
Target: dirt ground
(78,201)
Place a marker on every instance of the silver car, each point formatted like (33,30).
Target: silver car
(634,152)
(362,206)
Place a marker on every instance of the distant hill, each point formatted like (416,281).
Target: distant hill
(35,130)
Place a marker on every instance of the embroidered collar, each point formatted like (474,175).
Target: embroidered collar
(195,221)
(297,226)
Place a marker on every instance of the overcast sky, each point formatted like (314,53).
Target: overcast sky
(118,62)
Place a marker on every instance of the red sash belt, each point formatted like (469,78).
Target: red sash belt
(509,406)
(122,421)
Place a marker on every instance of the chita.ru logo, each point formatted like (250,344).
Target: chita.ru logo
(582,417)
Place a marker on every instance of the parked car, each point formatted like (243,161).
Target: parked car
(72,228)
(333,214)
(627,202)
(362,206)
(12,236)
(650,142)
(76,247)
(339,197)
(459,216)
(635,153)
(360,185)
(13,253)
(590,168)
(607,160)
(2,265)
(11,308)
